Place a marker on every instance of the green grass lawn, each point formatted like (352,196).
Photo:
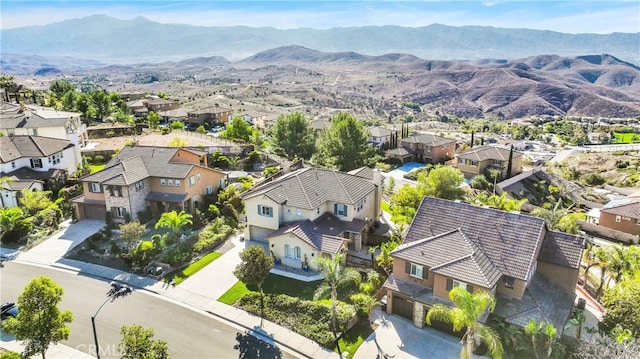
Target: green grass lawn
(273,284)
(180,275)
(353,338)
(626,137)
(386,207)
(96,168)
(234,293)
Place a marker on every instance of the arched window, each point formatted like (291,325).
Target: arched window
(297,252)
(287,251)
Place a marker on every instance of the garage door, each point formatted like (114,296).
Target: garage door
(403,307)
(259,233)
(94,211)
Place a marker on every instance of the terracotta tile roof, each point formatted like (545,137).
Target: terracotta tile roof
(310,187)
(563,249)
(15,147)
(509,240)
(488,153)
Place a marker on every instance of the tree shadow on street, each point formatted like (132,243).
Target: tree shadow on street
(256,344)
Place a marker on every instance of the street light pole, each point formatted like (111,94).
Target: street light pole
(115,292)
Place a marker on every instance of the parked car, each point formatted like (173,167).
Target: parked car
(8,310)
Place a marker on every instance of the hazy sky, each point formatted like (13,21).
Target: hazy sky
(564,16)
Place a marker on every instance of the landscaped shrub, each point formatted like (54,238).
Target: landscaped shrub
(307,318)
(593,179)
(177,255)
(212,235)
(98,159)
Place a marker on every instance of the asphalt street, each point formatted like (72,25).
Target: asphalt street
(190,333)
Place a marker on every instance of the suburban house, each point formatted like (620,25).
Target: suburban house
(478,159)
(160,104)
(424,148)
(45,122)
(255,119)
(313,212)
(533,272)
(145,178)
(178,114)
(142,106)
(320,125)
(379,136)
(33,162)
(622,215)
(212,115)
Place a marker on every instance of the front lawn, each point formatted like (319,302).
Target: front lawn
(273,284)
(234,293)
(351,340)
(178,276)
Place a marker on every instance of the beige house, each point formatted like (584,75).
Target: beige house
(155,179)
(532,271)
(313,212)
(478,159)
(211,115)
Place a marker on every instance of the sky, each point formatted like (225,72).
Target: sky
(586,16)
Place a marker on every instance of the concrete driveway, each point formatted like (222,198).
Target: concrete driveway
(397,337)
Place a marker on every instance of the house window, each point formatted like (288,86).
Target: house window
(192,181)
(118,212)
(452,283)
(340,209)
(195,200)
(265,211)
(208,190)
(287,251)
(178,183)
(170,182)
(360,204)
(11,131)
(474,163)
(299,212)
(415,270)
(163,181)
(289,211)
(618,218)
(637,222)
(297,252)
(95,187)
(139,185)
(36,163)
(32,131)
(509,281)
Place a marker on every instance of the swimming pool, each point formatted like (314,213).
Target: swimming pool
(410,166)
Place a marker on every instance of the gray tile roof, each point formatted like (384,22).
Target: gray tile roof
(563,249)
(509,240)
(26,174)
(120,173)
(488,153)
(428,139)
(12,116)
(157,160)
(308,232)
(378,131)
(166,197)
(451,254)
(15,147)
(210,109)
(310,187)
(400,151)
(364,172)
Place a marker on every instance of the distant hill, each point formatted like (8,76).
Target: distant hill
(140,40)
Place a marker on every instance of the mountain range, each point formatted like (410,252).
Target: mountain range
(111,40)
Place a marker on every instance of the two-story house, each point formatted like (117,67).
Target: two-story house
(622,214)
(45,122)
(212,115)
(424,148)
(31,162)
(139,178)
(380,137)
(159,104)
(478,159)
(313,212)
(532,271)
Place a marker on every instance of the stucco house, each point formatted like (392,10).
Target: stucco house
(32,162)
(313,212)
(211,115)
(380,137)
(424,148)
(476,160)
(139,178)
(622,215)
(532,271)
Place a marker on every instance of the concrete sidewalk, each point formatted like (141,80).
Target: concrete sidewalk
(199,292)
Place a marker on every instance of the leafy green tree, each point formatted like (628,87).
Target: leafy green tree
(558,219)
(335,275)
(344,146)
(404,204)
(61,87)
(293,135)
(132,232)
(174,221)
(34,201)
(39,321)
(622,306)
(101,103)
(254,268)
(466,314)
(501,202)
(177,125)
(535,331)
(13,222)
(201,130)
(480,182)
(442,182)
(85,106)
(238,129)
(138,343)
(154,119)
(69,100)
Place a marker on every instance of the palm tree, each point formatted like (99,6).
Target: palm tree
(620,262)
(466,313)
(174,221)
(335,275)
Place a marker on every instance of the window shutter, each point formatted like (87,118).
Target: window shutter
(425,273)
(470,289)
(335,207)
(259,209)
(124,212)
(449,284)
(346,209)
(407,267)
(113,211)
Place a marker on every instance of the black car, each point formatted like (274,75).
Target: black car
(8,310)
